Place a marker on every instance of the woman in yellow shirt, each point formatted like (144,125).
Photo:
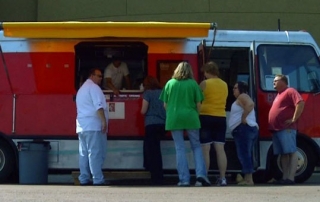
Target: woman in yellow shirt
(213,118)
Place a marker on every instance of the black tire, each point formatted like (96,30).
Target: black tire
(306,163)
(7,162)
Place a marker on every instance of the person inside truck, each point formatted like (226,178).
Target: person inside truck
(114,74)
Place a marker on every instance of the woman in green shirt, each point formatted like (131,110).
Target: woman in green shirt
(182,100)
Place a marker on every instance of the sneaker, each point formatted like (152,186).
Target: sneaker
(183,184)
(222,182)
(105,183)
(198,184)
(86,183)
(204,181)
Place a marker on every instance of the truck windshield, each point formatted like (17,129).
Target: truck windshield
(299,63)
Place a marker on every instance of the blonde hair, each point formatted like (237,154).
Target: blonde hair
(183,71)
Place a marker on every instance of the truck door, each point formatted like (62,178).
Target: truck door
(252,92)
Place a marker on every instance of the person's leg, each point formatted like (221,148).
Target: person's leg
(293,163)
(221,158)
(277,150)
(219,126)
(96,156)
(153,151)
(244,137)
(158,167)
(206,155)
(289,159)
(200,166)
(182,162)
(84,177)
(147,146)
(103,147)
(284,160)
(206,133)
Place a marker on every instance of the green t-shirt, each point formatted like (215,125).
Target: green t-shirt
(181,97)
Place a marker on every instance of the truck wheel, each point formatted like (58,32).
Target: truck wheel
(7,162)
(306,163)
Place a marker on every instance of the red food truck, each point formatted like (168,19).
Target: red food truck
(43,64)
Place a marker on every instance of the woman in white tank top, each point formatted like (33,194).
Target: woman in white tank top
(242,122)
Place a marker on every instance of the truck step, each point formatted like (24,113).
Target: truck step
(116,175)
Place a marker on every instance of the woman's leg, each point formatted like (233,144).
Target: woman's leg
(199,162)
(206,155)
(221,158)
(182,162)
(244,137)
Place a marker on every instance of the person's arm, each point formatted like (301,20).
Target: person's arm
(297,112)
(198,107)
(111,86)
(145,105)
(202,85)
(247,104)
(165,106)
(128,83)
(102,117)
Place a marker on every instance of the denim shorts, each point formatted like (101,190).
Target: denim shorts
(284,141)
(213,129)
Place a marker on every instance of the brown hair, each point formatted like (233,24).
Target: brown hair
(242,87)
(211,68)
(151,83)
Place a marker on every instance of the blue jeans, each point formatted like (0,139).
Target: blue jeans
(245,137)
(92,152)
(182,162)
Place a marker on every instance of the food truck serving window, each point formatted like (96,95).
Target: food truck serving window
(100,54)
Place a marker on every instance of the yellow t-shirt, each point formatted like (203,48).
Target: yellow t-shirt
(215,96)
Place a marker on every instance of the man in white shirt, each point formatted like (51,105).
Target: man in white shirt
(113,75)
(92,126)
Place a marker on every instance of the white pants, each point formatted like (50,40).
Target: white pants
(92,153)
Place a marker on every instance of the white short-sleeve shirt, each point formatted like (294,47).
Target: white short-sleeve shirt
(89,99)
(116,74)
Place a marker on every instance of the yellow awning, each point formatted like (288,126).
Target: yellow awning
(105,29)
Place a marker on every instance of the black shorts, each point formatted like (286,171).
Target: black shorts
(213,129)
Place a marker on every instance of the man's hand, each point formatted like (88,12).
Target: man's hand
(104,128)
(116,91)
(289,121)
